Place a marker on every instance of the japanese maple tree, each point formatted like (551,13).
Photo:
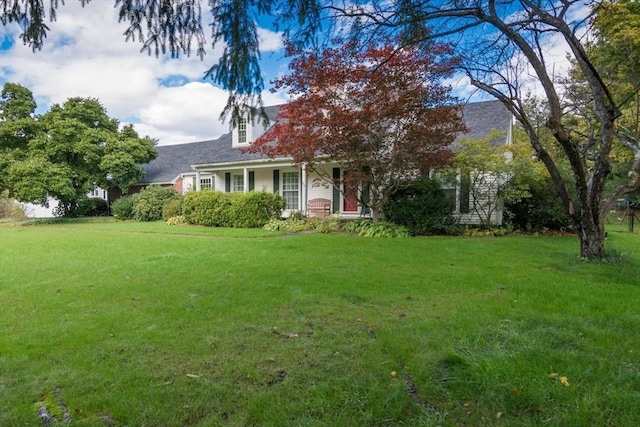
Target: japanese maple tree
(381,112)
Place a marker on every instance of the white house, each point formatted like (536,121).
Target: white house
(222,165)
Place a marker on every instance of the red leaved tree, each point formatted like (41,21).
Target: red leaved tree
(380,112)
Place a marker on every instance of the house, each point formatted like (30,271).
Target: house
(221,165)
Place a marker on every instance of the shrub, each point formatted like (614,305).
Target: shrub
(542,211)
(422,207)
(172,208)
(290,225)
(206,207)
(176,220)
(255,209)
(92,206)
(122,208)
(148,204)
(368,228)
(10,208)
(215,209)
(326,225)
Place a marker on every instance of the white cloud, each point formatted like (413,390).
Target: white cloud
(85,54)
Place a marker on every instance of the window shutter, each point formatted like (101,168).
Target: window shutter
(252,180)
(227,182)
(336,190)
(465,190)
(276,181)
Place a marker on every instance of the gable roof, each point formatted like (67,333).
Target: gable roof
(173,160)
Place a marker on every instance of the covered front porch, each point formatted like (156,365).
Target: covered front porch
(295,183)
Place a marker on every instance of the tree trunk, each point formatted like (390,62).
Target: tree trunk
(375,214)
(592,239)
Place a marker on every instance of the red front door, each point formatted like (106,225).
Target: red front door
(350,197)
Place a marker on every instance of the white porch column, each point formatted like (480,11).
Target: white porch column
(245,180)
(198,186)
(303,188)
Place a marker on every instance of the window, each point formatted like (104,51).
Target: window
(242,131)
(206,183)
(290,186)
(238,183)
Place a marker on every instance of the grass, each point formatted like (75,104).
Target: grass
(118,323)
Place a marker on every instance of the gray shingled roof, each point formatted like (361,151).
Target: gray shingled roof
(172,160)
(483,117)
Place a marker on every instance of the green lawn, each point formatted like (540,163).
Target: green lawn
(146,324)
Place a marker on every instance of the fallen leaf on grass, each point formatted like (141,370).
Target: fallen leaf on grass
(564,381)
(194,376)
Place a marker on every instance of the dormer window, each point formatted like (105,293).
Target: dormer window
(242,131)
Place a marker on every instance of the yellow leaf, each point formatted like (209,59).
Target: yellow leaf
(564,381)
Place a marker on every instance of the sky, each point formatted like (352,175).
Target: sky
(85,55)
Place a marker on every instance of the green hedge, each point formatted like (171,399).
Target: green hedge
(241,210)
(148,204)
(122,208)
(422,207)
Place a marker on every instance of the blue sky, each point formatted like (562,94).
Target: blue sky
(86,55)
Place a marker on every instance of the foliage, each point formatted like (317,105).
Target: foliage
(244,210)
(148,203)
(176,220)
(541,211)
(379,112)
(497,173)
(326,225)
(290,225)
(87,206)
(209,208)
(10,208)
(66,152)
(422,207)
(172,208)
(255,208)
(615,52)
(368,228)
(122,208)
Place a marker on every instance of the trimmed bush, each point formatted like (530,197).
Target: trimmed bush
(255,209)
(172,208)
(206,207)
(216,209)
(422,207)
(122,208)
(148,204)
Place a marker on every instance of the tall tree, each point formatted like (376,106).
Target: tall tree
(616,53)
(67,151)
(18,125)
(379,112)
